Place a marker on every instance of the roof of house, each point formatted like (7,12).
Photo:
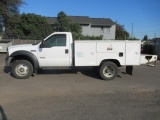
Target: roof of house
(102,21)
(51,20)
(85,20)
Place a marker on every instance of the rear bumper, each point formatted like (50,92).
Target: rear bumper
(148,58)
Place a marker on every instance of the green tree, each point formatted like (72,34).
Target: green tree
(76,30)
(1,22)
(35,26)
(145,38)
(13,26)
(121,33)
(87,37)
(28,26)
(63,22)
(134,38)
(0,28)
(9,7)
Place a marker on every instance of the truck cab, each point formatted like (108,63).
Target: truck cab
(56,50)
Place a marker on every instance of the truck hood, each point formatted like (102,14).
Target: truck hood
(25,47)
(20,46)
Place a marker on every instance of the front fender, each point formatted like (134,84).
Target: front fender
(27,54)
(8,61)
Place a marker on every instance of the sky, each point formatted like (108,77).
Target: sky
(141,16)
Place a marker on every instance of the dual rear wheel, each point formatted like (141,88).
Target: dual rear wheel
(108,70)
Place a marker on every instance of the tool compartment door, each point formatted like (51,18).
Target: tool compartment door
(133,52)
(85,53)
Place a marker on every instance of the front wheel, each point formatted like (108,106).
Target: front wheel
(22,69)
(108,70)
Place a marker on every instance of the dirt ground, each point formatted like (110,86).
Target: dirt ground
(80,94)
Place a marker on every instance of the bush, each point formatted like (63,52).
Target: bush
(148,49)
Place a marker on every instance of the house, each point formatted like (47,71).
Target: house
(92,26)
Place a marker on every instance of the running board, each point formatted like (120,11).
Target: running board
(57,68)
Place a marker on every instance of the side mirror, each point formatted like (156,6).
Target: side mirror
(42,45)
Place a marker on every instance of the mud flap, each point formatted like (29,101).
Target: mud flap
(129,70)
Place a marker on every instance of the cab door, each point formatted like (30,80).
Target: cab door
(55,51)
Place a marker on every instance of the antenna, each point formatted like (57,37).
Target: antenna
(132,30)
(154,35)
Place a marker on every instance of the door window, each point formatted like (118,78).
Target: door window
(56,40)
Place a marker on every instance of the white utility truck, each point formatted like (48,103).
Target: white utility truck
(59,50)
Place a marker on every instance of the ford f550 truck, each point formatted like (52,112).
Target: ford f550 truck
(59,50)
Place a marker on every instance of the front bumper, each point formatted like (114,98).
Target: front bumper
(8,61)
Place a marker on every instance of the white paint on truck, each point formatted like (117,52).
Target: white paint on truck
(59,50)
(92,53)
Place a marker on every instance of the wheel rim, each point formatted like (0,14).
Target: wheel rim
(109,71)
(22,70)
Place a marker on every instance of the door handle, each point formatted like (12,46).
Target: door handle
(66,51)
(120,54)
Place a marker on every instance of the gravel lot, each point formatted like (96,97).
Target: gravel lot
(80,94)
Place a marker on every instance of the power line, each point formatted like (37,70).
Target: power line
(148,32)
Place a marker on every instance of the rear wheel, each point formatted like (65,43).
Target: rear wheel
(22,69)
(108,70)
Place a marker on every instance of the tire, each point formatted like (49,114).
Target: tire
(22,69)
(108,71)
